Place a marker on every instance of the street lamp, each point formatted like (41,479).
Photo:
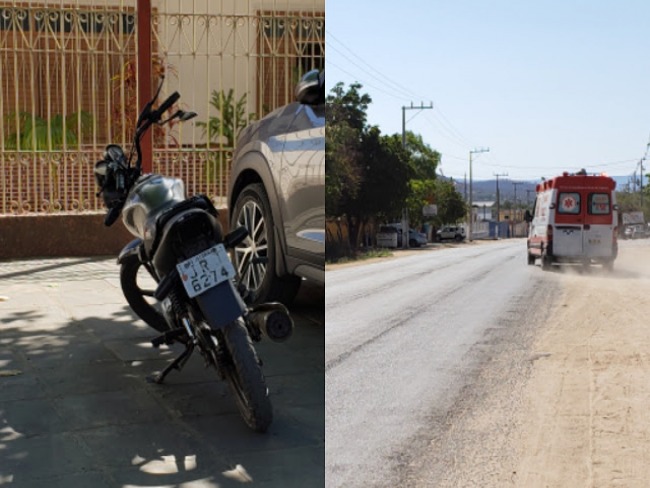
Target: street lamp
(471,210)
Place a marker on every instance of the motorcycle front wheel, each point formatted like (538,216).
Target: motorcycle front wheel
(246,380)
(133,276)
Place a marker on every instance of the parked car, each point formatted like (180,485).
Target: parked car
(636,231)
(448,232)
(416,239)
(277,191)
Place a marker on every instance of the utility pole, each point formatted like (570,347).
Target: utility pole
(516,184)
(499,197)
(405,217)
(471,209)
(465,186)
(528,192)
(641,169)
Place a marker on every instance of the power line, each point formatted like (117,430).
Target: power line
(400,87)
(448,133)
(397,90)
(365,84)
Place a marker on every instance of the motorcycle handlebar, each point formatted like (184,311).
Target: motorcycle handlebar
(171,100)
(147,119)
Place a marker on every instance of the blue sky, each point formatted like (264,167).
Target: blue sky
(547,86)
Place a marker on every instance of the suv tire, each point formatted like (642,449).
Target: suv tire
(253,211)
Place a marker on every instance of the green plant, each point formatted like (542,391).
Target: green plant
(29,132)
(232,119)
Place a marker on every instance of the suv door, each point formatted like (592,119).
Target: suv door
(302,182)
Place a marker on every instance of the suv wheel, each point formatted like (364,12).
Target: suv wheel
(254,258)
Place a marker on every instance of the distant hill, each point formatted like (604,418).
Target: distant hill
(485,190)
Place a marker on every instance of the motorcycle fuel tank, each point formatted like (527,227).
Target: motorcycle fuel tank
(150,195)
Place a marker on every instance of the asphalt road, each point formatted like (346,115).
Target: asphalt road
(406,342)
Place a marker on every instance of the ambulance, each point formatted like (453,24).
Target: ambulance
(574,220)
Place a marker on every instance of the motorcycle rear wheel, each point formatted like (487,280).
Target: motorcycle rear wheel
(246,379)
(135,296)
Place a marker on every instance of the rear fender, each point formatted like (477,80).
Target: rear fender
(221,305)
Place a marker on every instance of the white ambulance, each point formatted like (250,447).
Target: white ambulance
(574,220)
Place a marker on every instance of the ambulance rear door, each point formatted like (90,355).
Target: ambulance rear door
(568,240)
(598,235)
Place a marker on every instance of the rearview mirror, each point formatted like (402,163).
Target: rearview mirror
(185,116)
(311,88)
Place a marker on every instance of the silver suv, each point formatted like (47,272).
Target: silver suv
(449,232)
(277,191)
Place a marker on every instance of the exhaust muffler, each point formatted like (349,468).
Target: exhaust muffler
(273,320)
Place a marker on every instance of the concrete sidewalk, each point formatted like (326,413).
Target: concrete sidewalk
(76,410)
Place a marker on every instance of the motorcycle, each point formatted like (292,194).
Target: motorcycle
(200,301)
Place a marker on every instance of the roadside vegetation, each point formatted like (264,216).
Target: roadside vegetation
(361,255)
(371,177)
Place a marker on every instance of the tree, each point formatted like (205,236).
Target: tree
(422,158)
(451,205)
(346,122)
(423,162)
(422,192)
(371,176)
(384,183)
(347,107)
(343,175)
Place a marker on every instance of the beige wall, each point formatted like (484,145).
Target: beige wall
(214,45)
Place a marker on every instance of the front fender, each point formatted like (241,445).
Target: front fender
(131,249)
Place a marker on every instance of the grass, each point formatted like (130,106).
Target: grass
(361,256)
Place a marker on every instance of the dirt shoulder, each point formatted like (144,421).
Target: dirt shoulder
(567,407)
(585,418)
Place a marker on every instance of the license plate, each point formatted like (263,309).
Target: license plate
(206,270)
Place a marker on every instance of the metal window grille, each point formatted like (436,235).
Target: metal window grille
(68,86)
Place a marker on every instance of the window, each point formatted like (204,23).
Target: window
(290,44)
(599,204)
(568,203)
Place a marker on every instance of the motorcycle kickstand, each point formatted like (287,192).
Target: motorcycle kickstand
(178,363)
